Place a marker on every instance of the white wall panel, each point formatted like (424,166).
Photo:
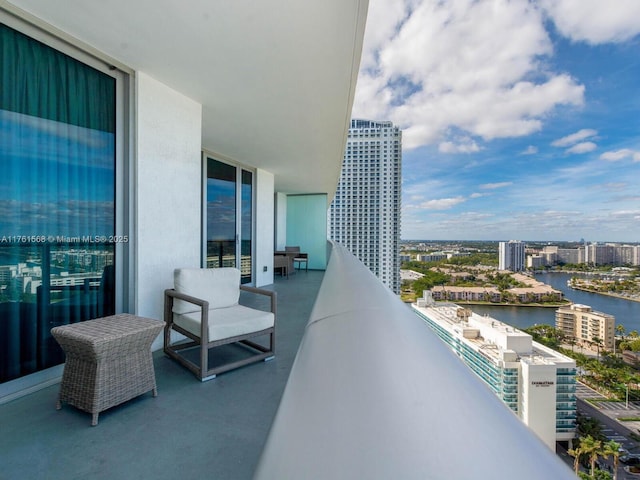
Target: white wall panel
(167,186)
(264,227)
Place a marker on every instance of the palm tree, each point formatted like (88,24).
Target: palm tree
(598,343)
(612,449)
(621,331)
(575,453)
(589,427)
(591,447)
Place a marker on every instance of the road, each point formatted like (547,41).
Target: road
(613,430)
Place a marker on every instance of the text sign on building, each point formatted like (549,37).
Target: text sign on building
(542,383)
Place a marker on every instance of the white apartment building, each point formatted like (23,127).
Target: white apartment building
(365,213)
(431,257)
(583,324)
(599,254)
(596,254)
(535,261)
(537,383)
(626,254)
(570,255)
(511,255)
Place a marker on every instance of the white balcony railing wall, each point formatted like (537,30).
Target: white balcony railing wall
(374,394)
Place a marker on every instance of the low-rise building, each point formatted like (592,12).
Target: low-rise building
(431,257)
(585,325)
(466,294)
(537,383)
(536,294)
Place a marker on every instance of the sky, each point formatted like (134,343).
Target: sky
(61,178)
(520,118)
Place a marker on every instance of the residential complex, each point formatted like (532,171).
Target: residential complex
(511,255)
(586,326)
(365,213)
(537,383)
(594,254)
(533,291)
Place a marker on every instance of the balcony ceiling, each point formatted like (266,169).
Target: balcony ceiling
(275,78)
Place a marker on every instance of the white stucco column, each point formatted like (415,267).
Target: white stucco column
(166,202)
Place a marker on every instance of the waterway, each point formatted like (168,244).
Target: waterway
(626,312)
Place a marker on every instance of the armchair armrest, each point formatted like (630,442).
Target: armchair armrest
(262,291)
(170,294)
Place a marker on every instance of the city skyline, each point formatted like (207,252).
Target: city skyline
(520,119)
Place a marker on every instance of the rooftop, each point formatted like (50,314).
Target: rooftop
(491,336)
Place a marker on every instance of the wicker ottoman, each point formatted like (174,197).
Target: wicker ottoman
(108,361)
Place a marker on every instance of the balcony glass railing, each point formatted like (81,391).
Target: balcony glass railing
(45,285)
(374,393)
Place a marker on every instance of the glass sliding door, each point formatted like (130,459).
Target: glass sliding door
(221,214)
(57,198)
(229,217)
(246,224)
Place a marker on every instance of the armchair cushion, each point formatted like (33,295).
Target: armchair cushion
(218,286)
(227,322)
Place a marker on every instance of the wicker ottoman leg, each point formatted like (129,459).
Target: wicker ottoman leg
(94,419)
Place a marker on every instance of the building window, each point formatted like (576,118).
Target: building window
(58,152)
(229,217)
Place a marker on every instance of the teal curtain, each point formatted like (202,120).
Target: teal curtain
(48,84)
(57,198)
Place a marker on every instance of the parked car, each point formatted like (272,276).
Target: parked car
(630,459)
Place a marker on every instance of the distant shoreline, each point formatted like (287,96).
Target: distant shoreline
(491,304)
(609,294)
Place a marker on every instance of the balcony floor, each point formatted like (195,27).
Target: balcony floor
(214,429)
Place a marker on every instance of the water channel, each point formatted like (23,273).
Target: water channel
(626,312)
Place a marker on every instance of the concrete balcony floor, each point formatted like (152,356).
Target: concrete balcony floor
(215,429)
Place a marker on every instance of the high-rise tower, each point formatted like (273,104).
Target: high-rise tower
(511,255)
(365,213)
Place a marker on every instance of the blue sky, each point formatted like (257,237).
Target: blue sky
(59,178)
(520,119)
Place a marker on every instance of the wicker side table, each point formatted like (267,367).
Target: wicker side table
(108,361)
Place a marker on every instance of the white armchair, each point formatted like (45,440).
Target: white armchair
(204,307)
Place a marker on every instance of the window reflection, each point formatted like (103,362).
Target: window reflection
(57,199)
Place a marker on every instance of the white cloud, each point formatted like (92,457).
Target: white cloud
(463,146)
(435,67)
(493,186)
(595,21)
(442,203)
(477,195)
(575,137)
(582,147)
(616,155)
(530,150)
(613,186)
